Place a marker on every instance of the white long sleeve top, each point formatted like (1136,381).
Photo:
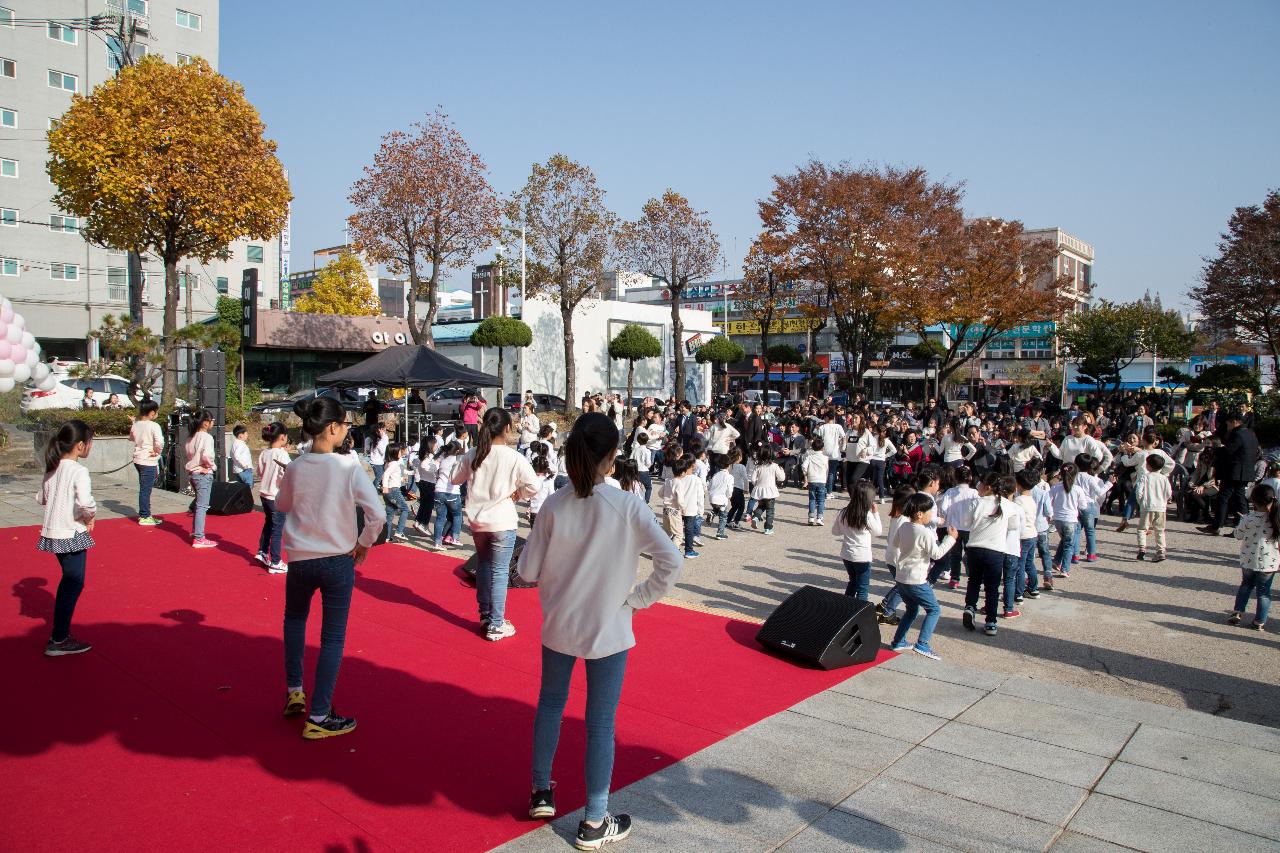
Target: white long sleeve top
(917,548)
(1020,455)
(546,488)
(986,529)
(271,465)
(855,545)
(832,435)
(319,493)
(686,494)
(720,489)
(1153,491)
(720,438)
(954,449)
(199,450)
(241,457)
(1067,505)
(880,452)
(891,539)
(504,477)
(765,480)
(584,553)
(148,441)
(1094,487)
(1072,447)
(67,497)
(1027,503)
(815,465)
(1259,552)
(954,497)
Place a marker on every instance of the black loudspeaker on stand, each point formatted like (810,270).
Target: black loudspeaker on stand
(234,498)
(823,629)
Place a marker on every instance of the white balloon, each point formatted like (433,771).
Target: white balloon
(6,367)
(33,358)
(14,333)
(6,385)
(48,383)
(21,373)
(39,371)
(28,340)
(19,321)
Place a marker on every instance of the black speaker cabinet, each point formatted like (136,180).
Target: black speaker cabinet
(234,498)
(823,629)
(514,581)
(382,532)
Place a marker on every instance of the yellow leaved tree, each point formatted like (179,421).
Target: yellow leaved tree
(342,287)
(171,160)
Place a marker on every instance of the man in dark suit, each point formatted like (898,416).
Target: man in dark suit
(686,424)
(1139,421)
(1233,466)
(754,432)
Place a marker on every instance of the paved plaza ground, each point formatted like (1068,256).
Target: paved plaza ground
(1119,712)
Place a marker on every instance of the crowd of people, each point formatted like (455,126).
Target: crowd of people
(975,500)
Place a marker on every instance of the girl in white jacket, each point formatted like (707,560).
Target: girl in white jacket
(67,497)
(1259,535)
(988,518)
(1067,499)
(584,555)
(856,527)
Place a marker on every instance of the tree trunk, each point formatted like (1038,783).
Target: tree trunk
(570,369)
(412,310)
(428,335)
(677,334)
(764,358)
(169,331)
(631,369)
(134,274)
(502,382)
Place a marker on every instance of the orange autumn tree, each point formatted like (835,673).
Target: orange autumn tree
(767,282)
(995,280)
(425,200)
(169,159)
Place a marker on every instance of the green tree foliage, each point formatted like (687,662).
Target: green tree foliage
(1111,336)
(632,344)
(1229,384)
(502,332)
(128,349)
(929,348)
(720,350)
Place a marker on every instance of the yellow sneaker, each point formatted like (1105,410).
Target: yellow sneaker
(296,703)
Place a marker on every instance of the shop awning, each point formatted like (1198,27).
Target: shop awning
(409,367)
(1124,386)
(786,377)
(895,373)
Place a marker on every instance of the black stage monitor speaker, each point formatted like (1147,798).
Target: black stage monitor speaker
(514,581)
(822,628)
(382,532)
(229,499)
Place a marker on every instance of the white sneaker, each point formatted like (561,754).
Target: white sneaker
(278,568)
(945,576)
(262,558)
(495,634)
(811,521)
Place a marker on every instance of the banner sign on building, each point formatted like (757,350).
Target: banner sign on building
(1046,329)
(788,326)
(249,307)
(691,345)
(1200,363)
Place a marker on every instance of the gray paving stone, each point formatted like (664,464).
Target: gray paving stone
(805,737)
(944,671)
(1092,733)
(1017,753)
(1074,842)
(1176,719)
(1145,828)
(1227,764)
(838,831)
(870,716)
(913,692)
(1201,800)
(947,820)
(998,787)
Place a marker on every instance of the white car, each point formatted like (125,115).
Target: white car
(69,391)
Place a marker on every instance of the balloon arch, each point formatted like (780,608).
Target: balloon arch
(20,353)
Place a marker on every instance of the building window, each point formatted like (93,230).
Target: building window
(253,254)
(61,80)
(8,117)
(8,68)
(183,59)
(8,266)
(188,20)
(58,32)
(6,17)
(65,272)
(115,50)
(8,168)
(117,283)
(223,284)
(65,224)
(137,7)
(8,217)
(53,123)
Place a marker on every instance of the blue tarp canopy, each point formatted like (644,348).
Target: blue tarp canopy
(1124,386)
(785,377)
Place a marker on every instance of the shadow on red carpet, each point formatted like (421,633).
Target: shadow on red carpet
(170,730)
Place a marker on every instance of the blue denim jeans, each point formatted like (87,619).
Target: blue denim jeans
(246,477)
(1251,583)
(763,507)
(397,511)
(890,602)
(1012,565)
(918,597)
(1068,533)
(986,568)
(604,687)
(833,465)
(272,530)
(493,573)
(817,499)
(377,475)
(1042,550)
(69,589)
(203,485)
(690,532)
(334,577)
(646,480)
(146,482)
(955,555)
(1027,577)
(722,518)
(1088,521)
(859,586)
(448,511)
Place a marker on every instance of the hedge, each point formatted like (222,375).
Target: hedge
(104,422)
(1268,432)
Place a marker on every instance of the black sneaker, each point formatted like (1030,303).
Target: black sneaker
(331,726)
(1142,555)
(69,646)
(1033,593)
(613,828)
(542,805)
(1233,619)
(968,617)
(1017,599)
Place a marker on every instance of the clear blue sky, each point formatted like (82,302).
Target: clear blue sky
(1136,126)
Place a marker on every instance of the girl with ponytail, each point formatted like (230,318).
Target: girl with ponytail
(200,465)
(584,554)
(271,465)
(496,476)
(69,508)
(1067,499)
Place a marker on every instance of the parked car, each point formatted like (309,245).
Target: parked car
(756,395)
(446,403)
(349,398)
(638,402)
(541,402)
(69,391)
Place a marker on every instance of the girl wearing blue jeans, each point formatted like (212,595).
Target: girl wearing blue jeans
(200,465)
(916,547)
(317,492)
(856,526)
(588,592)
(1259,535)
(69,510)
(448,501)
(270,470)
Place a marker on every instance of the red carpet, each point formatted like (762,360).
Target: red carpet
(168,734)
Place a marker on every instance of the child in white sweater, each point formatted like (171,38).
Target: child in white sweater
(67,497)
(916,547)
(764,489)
(856,527)
(1152,494)
(1259,535)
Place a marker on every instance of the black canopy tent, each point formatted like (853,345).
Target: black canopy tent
(409,367)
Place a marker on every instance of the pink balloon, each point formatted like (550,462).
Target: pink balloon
(6,350)
(18,353)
